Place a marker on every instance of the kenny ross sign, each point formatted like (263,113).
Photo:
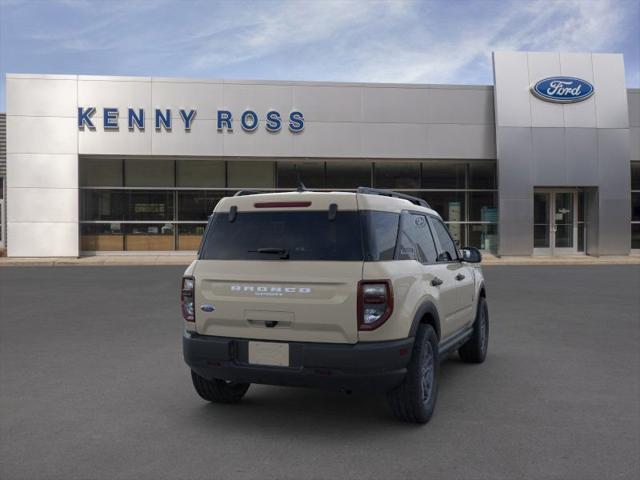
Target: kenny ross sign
(249,120)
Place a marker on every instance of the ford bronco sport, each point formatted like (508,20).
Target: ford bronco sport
(351,291)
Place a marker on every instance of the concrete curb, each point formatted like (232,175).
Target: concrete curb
(116,260)
(184,260)
(560,261)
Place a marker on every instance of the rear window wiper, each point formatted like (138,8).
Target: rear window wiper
(283,252)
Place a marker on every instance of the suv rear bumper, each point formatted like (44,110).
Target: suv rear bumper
(372,366)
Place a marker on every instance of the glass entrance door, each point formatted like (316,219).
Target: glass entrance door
(541,226)
(554,222)
(564,223)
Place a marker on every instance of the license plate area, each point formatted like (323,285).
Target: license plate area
(269,353)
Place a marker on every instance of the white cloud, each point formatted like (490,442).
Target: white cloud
(571,25)
(267,28)
(406,41)
(378,41)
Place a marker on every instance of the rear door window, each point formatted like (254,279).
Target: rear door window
(415,241)
(277,235)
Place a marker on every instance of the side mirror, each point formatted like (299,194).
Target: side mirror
(471,255)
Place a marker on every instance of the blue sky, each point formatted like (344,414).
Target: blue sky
(440,41)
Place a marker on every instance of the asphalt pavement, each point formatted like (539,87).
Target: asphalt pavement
(93,386)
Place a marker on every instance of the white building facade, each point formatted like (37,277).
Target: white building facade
(130,164)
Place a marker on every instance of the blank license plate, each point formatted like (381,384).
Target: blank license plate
(269,353)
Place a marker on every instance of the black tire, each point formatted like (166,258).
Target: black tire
(219,391)
(475,349)
(415,398)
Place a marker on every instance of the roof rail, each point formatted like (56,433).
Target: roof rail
(390,193)
(243,193)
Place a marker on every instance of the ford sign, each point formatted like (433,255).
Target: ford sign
(562,89)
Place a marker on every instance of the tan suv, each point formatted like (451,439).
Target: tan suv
(342,290)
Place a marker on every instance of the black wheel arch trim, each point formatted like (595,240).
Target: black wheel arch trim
(481,289)
(428,307)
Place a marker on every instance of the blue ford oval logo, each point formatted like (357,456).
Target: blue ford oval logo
(207,308)
(562,89)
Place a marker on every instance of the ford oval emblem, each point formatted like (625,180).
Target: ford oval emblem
(562,89)
(207,308)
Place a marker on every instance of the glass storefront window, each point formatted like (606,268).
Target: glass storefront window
(248,175)
(483,236)
(149,173)
(348,174)
(95,237)
(635,235)
(148,237)
(103,205)
(126,205)
(450,205)
(581,232)
(635,175)
(581,221)
(189,236)
(198,205)
(482,206)
(200,173)
(311,174)
(396,175)
(482,175)
(208,181)
(541,237)
(635,207)
(102,172)
(150,205)
(441,175)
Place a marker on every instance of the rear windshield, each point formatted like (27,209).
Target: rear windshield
(284,235)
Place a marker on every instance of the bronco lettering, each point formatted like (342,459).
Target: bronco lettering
(269,289)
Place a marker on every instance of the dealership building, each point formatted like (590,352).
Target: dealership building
(546,161)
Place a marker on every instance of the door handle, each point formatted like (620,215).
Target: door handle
(436,282)
(460,277)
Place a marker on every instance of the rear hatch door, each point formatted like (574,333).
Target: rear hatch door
(281,273)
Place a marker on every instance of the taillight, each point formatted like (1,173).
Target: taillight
(375,303)
(187,299)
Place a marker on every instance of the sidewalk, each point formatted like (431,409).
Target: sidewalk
(142,260)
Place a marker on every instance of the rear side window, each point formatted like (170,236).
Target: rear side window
(379,232)
(415,241)
(448,250)
(275,235)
